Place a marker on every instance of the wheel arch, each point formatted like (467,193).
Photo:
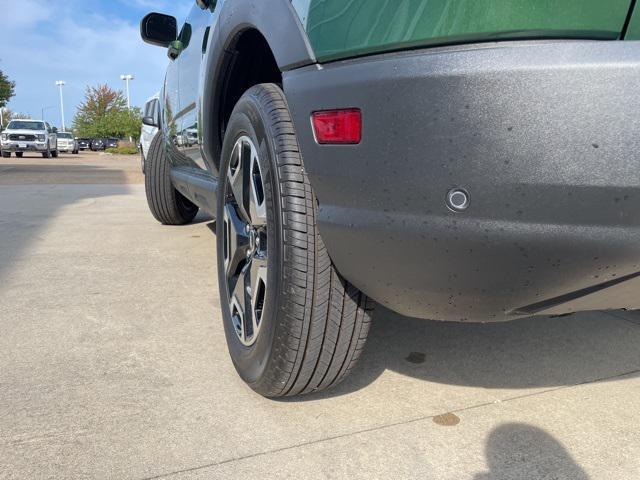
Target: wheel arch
(275,26)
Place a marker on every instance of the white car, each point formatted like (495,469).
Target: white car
(152,110)
(67,143)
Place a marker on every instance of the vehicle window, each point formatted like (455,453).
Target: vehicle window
(148,108)
(64,135)
(25,125)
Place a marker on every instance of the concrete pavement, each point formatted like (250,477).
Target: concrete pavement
(113,365)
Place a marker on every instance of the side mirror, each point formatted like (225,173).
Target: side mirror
(149,121)
(159,29)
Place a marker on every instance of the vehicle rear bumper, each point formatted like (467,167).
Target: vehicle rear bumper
(544,136)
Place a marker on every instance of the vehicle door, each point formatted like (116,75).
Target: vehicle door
(194,38)
(171,107)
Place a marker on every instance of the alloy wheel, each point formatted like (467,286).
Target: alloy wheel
(245,241)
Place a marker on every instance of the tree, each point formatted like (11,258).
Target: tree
(104,113)
(8,115)
(7,89)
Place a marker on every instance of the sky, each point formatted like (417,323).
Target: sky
(83,42)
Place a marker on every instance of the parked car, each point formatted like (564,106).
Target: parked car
(110,143)
(97,144)
(483,169)
(22,136)
(84,144)
(149,130)
(67,143)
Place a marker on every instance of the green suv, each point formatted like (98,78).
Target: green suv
(462,160)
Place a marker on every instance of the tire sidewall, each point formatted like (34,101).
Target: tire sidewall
(250,119)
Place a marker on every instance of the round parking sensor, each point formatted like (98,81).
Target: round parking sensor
(458,200)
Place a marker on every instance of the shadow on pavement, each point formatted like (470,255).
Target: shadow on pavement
(535,352)
(27,209)
(518,450)
(528,353)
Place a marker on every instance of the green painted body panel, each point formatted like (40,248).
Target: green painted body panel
(346,28)
(633,31)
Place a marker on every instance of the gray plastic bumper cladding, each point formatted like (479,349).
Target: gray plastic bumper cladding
(544,137)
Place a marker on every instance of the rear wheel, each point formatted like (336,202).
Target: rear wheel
(19,154)
(54,154)
(167,205)
(6,154)
(293,324)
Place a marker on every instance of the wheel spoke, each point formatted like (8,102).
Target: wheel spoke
(258,268)
(258,207)
(238,176)
(239,303)
(236,242)
(258,275)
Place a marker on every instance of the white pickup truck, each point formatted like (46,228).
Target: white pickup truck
(29,136)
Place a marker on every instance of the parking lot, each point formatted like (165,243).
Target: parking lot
(113,364)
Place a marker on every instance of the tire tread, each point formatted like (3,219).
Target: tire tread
(321,334)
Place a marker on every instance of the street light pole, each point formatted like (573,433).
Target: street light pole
(127,78)
(60,84)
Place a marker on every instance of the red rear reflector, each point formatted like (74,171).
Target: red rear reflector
(337,126)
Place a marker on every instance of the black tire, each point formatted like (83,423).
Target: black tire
(19,154)
(167,205)
(54,154)
(75,152)
(6,154)
(313,323)
(46,154)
